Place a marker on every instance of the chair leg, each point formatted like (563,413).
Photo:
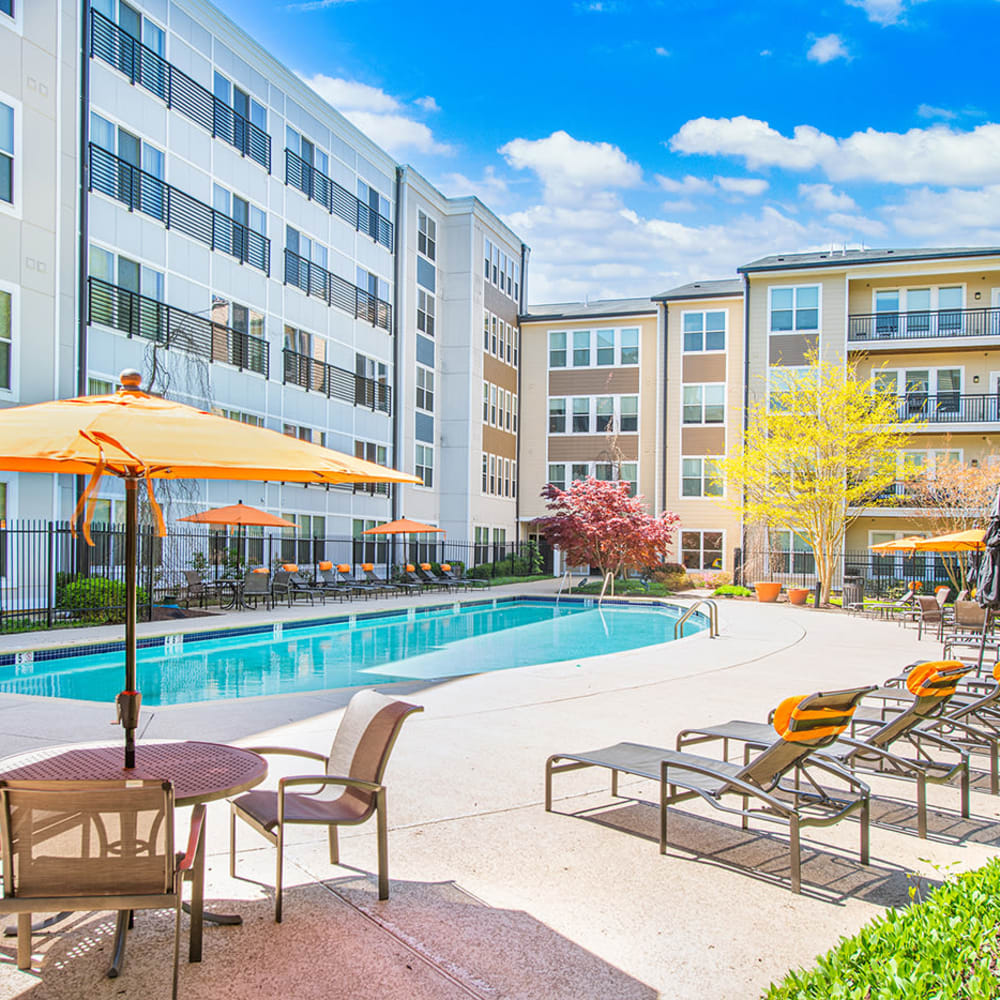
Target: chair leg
(197,903)
(865,831)
(24,940)
(277,874)
(232,841)
(334,846)
(921,807)
(994,768)
(614,783)
(965,789)
(177,941)
(795,852)
(382,824)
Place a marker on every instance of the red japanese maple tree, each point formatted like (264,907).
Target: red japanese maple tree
(595,522)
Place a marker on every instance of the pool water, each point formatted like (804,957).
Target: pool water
(414,644)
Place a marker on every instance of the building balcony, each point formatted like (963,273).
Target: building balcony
(336,291)
(152,72)
(336,383)
(949,408)
(886,328)
(138,316)
(142,192)
(337,200)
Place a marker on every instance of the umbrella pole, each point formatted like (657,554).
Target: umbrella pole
(129,700)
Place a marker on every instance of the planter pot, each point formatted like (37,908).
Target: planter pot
(767,593)
(797,595)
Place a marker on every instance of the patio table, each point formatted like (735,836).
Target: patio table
(199,772)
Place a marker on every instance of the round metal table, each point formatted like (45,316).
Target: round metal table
(199,772)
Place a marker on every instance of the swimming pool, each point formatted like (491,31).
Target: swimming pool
(349,650)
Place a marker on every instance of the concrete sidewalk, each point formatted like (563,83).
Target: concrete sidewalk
(492,897)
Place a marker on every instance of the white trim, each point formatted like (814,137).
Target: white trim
(14,209)
(905,287)
(704,385)
(15,23)
(13,393)
(701,547)
(725,332)
(698,496)
(592,332)
(592,414)
(795,286)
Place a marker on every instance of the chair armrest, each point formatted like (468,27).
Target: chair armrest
(288,752)
(327,779)
(194,838)
(733,783)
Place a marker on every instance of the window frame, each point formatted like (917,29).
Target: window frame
(703,404)
(14,207)
(705,331)
(795,330)
(426,466)
(703,478)
(701,532)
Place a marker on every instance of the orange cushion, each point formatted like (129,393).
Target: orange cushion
(996,672)
(368,567)
(410,568)
(343,567)
(446,567)
(261,569)
(925,679)
(325,566)
(788,714)
(290,567)
(426,567)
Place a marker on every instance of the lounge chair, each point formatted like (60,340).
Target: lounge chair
(257,587)
(780,778)
(379,584)
(290,583)
(329,581)
(888,609)
(463,581)
(426,574)
(346,793)
(867,749)
(409,575)
(94,845)
(345,576)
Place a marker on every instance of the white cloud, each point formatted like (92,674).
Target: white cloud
(489,189)
(936,155)
(749,186)
(378,114)
(828,48)
(852,225)
(766,52)
(689,185)
(427,103)
(316,4)
(880,11)
(929,111)
(953,217)
(661,51)
(568,167)
(824,198)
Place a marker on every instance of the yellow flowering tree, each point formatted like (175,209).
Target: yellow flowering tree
(825,442)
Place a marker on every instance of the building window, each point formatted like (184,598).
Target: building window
(296,431)
(557,416)
(425,312)
(424,464)
(493,474)
(99,387)
(513,412)
(305,543)
(493,335)
(7,7)
(426,236)
(486,402)
(506,477)
(581,415)
(605,347)
(425,389)
(368,548)
(701,549)
(629,472)
(486,331)
(6,153)
(517,344)
(6,339)
(629,347)
(557,350)
(783,379)
(605,414)
(794,309)
(370,451)
(245,346)
(790,554)
(485,472)
(507,409)
(700,478)
(704,331)
(628,422)
(513,478)
(557,476)
(581,348)
(254,419)
(704,404)
(493,405)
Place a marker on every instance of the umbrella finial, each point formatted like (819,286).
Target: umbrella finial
(130,379)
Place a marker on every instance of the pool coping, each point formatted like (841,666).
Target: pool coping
(16,658)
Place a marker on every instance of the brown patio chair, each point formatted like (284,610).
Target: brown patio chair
(780,779)
(346,793)
(94,845)
(929,614)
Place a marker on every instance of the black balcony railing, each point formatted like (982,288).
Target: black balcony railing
(337,200)
(337,383)
(145,193)
(949,408)
(925,325)
(138,316)
(898,494)
(153,73)
(336,291)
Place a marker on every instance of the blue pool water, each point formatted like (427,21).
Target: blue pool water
(447,641)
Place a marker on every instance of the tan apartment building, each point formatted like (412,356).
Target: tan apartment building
(585,408)
(701,326)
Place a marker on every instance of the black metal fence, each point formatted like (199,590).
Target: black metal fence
(51,578)
(336,291)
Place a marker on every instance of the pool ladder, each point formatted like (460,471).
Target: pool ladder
(608,578)
(713,617)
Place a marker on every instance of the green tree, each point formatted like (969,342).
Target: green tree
(827,442)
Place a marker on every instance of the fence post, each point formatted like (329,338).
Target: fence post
(149,573)
(738,566)
(50,577)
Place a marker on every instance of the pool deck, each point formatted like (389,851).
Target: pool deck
(492,897)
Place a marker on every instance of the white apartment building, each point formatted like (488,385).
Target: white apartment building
(247,249)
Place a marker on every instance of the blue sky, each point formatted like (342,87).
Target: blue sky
(638,144)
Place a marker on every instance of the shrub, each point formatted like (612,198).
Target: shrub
(96,598)
(732,590)
(674,576)
(946,948)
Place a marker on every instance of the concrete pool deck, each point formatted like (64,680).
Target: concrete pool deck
(492,897)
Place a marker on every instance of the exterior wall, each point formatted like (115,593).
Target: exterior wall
(38,73)
(703,514)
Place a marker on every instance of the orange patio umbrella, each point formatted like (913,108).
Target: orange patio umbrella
(402,526)
(956,541)
(239,515)
(908,544)
(138,437)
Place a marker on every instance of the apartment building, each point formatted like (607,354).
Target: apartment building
(701,326)
(249,250)
(38,215)
(590,399)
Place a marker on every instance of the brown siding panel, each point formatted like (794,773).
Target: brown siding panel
(594,382)
(791,348)
(703,440)
(593,448)
(497,303)
(499,373)
(704,368)
(498,442)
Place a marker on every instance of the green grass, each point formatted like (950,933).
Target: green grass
(503,581)
(625,587)
(946,948)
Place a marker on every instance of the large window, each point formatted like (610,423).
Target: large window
(305,543)
(424,464)
(794,309)
(557,416)
(7,7)
(783,379)
(704,404)
(704,331)
(425,389)
(6,153)
(369,548)
(557,350)
(701,549)
(593,414)
(426,236)
(6,339)
(925,390)
(371,451)
(790,554)
(425,312)
(581,415)
(700,477)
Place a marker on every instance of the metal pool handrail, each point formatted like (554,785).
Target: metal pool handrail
(713,617)
(608,578)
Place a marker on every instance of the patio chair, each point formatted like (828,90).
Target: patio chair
(409,575)
(290,584)
(257,587)
(463,581)
(888,609)
(329,581)
(426,574)
(379,584)
(779,778)
(196,588)
(929,613)
(345,576)
(866,750)
(347,791)
(94,845)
